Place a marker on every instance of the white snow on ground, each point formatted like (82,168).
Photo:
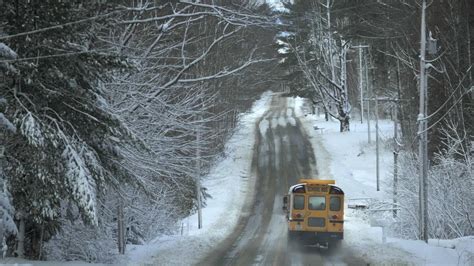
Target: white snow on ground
(228,183)
(350,160)
(23,262)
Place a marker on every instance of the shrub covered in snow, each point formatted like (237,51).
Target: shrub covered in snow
(145,218)
(80,241)
(450,194)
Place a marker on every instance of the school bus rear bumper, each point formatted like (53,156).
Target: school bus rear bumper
(312,237)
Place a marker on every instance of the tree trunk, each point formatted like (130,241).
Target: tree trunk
(2,232)
(20,249)
(344,124)
(121,228)
(40,251)
(35,243)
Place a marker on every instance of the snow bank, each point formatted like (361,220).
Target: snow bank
(458,251)
(228,183)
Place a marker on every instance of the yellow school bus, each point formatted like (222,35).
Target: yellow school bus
(315,212)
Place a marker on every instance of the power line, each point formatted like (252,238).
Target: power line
(46,56)
(452,94)
(447,112)
(58,26)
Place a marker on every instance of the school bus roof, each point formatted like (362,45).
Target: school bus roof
(317,182)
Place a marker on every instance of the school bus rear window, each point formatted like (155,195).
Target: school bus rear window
(298,203)
(316,222)
(317,203)
(335,204)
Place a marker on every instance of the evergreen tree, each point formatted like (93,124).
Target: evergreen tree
(65,146)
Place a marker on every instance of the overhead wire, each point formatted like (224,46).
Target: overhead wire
(452,94)
(6,37)
(447,112)
(46,56)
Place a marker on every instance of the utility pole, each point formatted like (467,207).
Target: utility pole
(395,161)
(377,144)
(377,141)
(360,82)
(422,133)
(396,147)
(360,87)
(368,96)
(198,176)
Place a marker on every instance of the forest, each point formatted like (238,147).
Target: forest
(112,111)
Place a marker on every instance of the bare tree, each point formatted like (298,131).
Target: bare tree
(322,58)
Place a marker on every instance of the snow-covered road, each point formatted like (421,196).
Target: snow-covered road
(283,153)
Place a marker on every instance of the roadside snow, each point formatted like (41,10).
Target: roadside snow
(23,262)
(228,183)
(459,251)
(350,160)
